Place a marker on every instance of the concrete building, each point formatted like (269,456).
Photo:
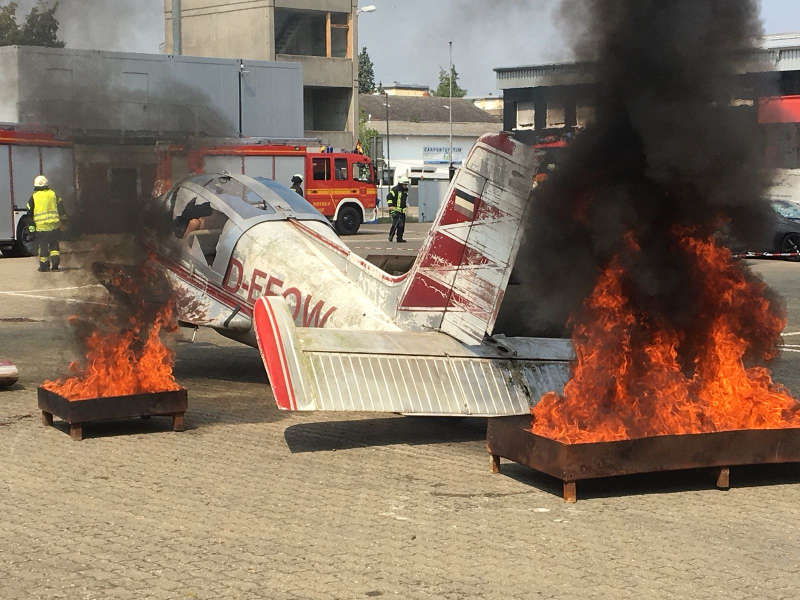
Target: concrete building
(321,35)
(407,89)
(542,100)
(419,132)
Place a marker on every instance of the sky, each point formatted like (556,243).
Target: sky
(406,39)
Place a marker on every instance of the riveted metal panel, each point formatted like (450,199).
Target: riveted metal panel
(343,381)
(272,99)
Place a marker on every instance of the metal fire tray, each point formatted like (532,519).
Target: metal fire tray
(171,403)
(510,437)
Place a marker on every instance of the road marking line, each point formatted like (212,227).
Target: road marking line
(792,333)
(790,349)
(74,287)
(37,297)
(788,345)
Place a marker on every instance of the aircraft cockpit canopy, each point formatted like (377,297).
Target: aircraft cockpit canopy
(257,197)
(209,212)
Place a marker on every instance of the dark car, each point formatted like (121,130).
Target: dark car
(786,236)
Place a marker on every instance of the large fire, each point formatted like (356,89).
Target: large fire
(635,377)
(126,355)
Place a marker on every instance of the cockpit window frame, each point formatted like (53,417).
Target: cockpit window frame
(247,215)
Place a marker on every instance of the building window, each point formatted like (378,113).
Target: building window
(326,108)
(312,33)
(321,168)
(556,117)
(526,115)
(340,35)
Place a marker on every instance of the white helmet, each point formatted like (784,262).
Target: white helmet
(40,181)
(403,179)
(297,177)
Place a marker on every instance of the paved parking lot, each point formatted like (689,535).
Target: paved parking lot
(250,502)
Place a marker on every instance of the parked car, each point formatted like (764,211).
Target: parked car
(786,237)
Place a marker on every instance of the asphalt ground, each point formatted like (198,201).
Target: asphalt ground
(251,502)
(374,239)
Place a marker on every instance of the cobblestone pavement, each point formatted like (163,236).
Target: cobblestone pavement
(253,503)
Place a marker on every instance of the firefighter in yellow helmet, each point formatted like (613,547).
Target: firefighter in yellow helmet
(47,212)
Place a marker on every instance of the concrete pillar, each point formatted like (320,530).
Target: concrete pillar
(177,37)
(354,55)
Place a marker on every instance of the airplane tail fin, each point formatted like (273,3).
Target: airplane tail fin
(457,282)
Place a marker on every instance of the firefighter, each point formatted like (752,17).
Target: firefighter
(397,199)
(297,183)
(47,212)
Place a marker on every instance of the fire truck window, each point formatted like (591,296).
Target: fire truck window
(340,164)
(321,168)
(362,172)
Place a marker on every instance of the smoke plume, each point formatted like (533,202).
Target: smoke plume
(667,152)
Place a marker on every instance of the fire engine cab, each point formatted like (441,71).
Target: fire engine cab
(341,185)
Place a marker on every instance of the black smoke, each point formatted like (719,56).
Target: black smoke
(667,150)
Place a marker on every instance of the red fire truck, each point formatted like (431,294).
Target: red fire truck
(341,185)
(102,183)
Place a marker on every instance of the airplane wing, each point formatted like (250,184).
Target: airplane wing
(423,373)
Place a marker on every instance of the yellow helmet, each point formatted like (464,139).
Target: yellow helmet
(40,181)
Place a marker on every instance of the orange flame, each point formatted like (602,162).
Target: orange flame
(631,379)
(121,361)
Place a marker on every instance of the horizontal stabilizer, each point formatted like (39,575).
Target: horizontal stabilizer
(426,373)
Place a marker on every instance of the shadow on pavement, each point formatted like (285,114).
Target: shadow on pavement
(341,435)
(667,482)
(133,426)
(229,363)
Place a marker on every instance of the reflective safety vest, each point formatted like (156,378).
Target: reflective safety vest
(394,200)
(45,210)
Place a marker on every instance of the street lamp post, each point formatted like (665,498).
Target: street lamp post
(450,170)
(354,45)
(386,104)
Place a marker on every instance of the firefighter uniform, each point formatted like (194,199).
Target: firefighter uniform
(397,199)
(47,211)
(297,184)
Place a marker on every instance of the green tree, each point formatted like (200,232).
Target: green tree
(366,73)
(444,85)
(9,30)
(39,29)
(366,133)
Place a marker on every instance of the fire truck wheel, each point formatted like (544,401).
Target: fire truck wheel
(26,241)
(349,220)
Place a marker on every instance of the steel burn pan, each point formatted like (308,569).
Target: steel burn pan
(171,403)
(510,437)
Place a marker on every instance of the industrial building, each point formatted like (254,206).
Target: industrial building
(418,132)
(553,99)
(94,121)
(320,35)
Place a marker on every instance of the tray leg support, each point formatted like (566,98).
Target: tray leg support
(724,478)
(76,431)
(177,422)
(570,492)
(47,418)
(494,463)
